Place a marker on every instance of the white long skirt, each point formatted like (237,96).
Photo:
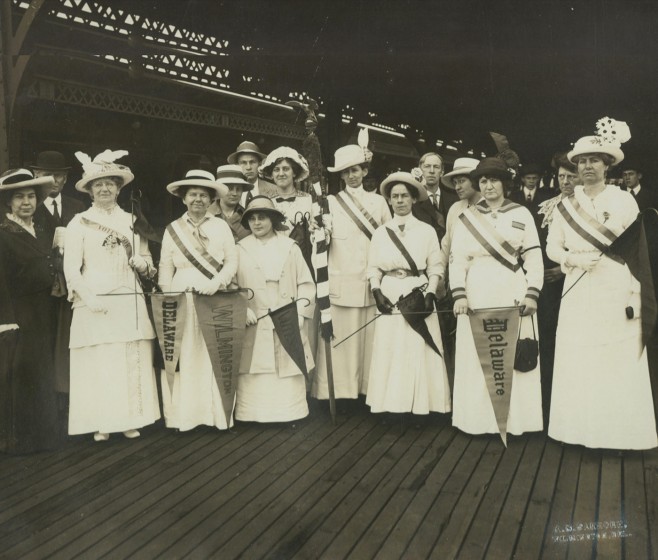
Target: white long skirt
(406,375)
(489,284)
(351,360)
(195,398)
(601,395)
(113,387)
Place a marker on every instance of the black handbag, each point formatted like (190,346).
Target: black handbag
(527,351)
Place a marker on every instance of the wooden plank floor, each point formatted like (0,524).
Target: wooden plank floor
(361,489)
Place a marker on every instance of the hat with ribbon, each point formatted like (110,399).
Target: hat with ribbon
(233,175)
(265,205)
(352,154)
(103,165)
(462,166)
(50,161)
(610,135)
(245,147)
(284,152)
(406,179)
(491,167)
(198,178)
(20,178)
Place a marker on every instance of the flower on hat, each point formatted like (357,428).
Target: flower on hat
(612,131)
(417,174)
(362,141)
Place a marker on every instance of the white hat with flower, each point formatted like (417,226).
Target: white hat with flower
(610,135)
(103,165)
(352,154)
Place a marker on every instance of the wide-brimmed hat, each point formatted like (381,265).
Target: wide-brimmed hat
(50,161)
(348,156)
(245,147)
(631,165)
(406,179)
(596,145)
(233,175)
(287,153)
(19,178)
(263,204)
(491,167)
(102,166)
(531,169)
(198,178)
(462,166)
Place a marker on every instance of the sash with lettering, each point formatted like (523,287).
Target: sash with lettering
(357,213)
(193,251)
(489,238)
(286,324)
(222,318)
(169,318)
(495,332)
(585,225)
(110,231)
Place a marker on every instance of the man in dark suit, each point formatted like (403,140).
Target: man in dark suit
(249,157)
(632,175)
(530,195)
(58,209)
(434,210)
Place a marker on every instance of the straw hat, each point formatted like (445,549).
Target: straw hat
(245,147)
(288,153)
(198,178)
(462,166)
(102,166)
(263,204)
(596,145)
(406,179)
(19,178)
(348,156)
(233,175)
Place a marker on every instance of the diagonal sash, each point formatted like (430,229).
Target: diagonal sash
(585,225)
(106,229)
(198,256)
(490,239)
(357,213)
(407,257)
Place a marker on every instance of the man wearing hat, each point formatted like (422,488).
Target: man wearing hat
(530,195)
(356,214)
(228,207)
(58,209)
(632,175)
(249,157)
(434,209)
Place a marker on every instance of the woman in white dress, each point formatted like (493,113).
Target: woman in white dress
(194,398)
(406,374)
(482,279)
(113,386)
(271,387)
(601,390)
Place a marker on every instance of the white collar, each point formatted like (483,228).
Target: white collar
(355,191)
(402,220)
(29,227)
(636,189)
(58,199)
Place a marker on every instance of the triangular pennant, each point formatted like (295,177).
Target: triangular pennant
(412,307)
(495,333)
(287,329)
(169,318)
(222,319)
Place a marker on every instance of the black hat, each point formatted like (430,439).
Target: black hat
(531,169)
(491,167)
(630,164)
(50,161)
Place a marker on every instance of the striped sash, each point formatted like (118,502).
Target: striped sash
(198,256)
(358,214)
(588,227)
(490,239)
(110,231)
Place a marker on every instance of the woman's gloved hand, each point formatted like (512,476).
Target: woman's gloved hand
(430,298)
(460,307)
(251,317)
(139,264)
(383,304)
(584,261)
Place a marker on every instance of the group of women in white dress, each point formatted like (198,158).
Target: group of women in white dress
(382,267)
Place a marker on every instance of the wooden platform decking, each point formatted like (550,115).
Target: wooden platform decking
(358,490)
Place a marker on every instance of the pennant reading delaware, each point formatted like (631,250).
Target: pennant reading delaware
(169,318)
(495,333)
(222,318)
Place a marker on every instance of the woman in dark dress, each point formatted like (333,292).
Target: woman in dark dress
(28,406)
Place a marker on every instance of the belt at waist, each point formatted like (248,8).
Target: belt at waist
(402,273)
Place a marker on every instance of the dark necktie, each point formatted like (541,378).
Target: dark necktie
(288,199)
(529,197)
(56,213)
(249,197)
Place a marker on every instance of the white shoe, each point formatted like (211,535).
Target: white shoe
(100,436)
(131,434)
